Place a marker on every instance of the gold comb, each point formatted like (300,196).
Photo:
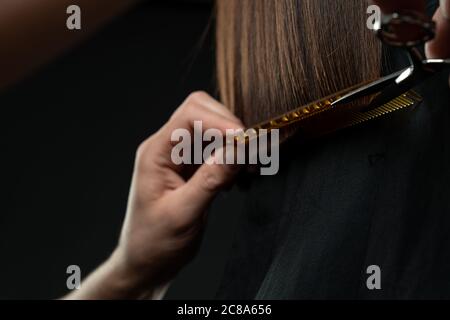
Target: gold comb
(326,116)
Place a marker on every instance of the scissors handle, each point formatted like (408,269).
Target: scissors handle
(406,29)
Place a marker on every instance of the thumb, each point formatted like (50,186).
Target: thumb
(204,185)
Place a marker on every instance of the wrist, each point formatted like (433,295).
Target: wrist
(113,280)
(127,281)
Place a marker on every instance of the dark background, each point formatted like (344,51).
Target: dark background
(68,139)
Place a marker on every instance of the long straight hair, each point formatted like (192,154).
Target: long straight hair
(274,55)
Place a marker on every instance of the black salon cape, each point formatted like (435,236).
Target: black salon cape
(377,194)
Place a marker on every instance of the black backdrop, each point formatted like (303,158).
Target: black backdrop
(68,138)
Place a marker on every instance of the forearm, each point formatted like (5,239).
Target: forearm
(111,281)
(34,31)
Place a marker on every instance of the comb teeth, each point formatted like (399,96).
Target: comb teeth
(405,100)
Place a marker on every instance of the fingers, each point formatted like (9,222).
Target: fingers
(215,106)
(204,185)
(197,193)
(199,106)
(156,151)
(439,47)
(190,198)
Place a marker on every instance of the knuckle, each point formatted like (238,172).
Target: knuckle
(198,96)
(192,102)
(143,149)
(211,182)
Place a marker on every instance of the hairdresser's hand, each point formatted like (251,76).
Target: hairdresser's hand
(166,211)
(438,47)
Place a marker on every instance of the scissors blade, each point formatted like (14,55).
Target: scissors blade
(372,88)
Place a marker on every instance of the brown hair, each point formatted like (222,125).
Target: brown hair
(274,55)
